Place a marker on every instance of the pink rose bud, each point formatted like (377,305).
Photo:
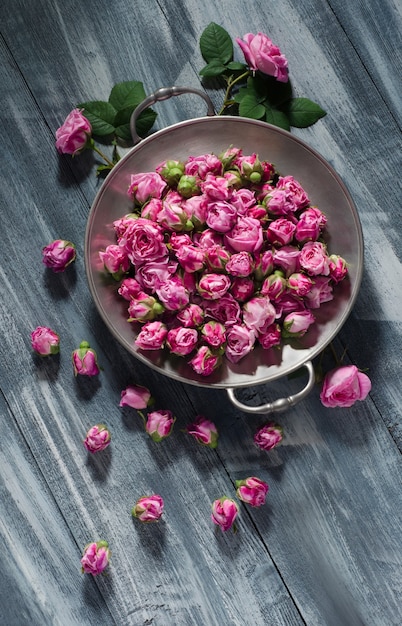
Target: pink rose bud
(148,508)
(343,386)
(297,323)
(45,341)
(143,308)
(205,361)
(224,512)
(129,288)
(204,431)
(115,261)
(145,186)
(242,289)
(261,54)
(159,424)
(337,268)
(72,137)
(97,438)
(268,436)
(152,336)
(95,558)
(85,360)
(313,258)
(213,286)
(300,284)
(181,340)
(136,397)
(191,316)
(252,490)
(240,341)
(214,333)
(58,255)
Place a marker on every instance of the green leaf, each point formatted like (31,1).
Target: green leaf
(144,123)
(101,116)
(215,68)
(302,112)
(235,66)
(276,117)
(216,43)
(127,94)
(250,107)
(276,92)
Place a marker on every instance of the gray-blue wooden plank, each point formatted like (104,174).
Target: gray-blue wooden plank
(40,569)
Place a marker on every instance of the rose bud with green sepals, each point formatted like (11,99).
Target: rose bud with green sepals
(97,438)
(144,308)
(205,361)
(85,360)
(252,491)
(115,261)
(137,397)
(152,336)
(188,186)
(263,55)
(268,436)
(59,254)
(159,424)
(95,558)
(45,341)
(224,513)
(148,508)
(297,323)
(204,431)
(171,171)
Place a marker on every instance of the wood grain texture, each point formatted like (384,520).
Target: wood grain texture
(326,548)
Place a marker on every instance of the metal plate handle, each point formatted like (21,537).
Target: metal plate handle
(164,93)
(281,404)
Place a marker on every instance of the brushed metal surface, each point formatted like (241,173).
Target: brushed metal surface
(291,156)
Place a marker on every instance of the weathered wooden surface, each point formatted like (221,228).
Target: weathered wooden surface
(326,548)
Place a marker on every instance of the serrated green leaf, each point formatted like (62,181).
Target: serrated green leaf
(215,68)
(144,123)
(303,112)
(276,117)
(101,116)
(216,43)
(250,107)
(127,94)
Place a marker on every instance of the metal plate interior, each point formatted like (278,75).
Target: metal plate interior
(291,156)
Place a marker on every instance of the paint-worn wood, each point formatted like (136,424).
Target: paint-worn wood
(326,548)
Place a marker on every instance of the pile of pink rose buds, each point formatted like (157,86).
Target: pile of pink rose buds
(220,253)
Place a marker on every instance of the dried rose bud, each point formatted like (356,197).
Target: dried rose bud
(45,341)
(72,137)
(252,490)
(159,424)
(137,397)
(204,431)
(224,512)
(85,360)
(268,436)
(97,438)
(59,254)
(148,508)
(95,558)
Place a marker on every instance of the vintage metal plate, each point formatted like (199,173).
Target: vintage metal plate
(291,156)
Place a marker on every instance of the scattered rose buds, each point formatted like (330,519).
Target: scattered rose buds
(204,431)
(97,438)
(72,136)
(45,341)
(85,360)
(159,424)
(224,512)
(59,254)
(148,508)
(95,558)
(137,397)
(343,386)
(252,490)
(268,436)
